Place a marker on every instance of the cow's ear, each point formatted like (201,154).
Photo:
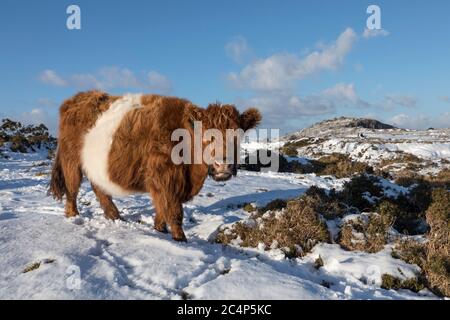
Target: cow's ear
(194,114)
(192,121)
(250,118)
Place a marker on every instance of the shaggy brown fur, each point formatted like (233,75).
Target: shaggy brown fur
(140,156)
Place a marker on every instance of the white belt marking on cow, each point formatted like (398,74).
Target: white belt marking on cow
(98,141)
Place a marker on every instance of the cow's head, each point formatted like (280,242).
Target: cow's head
(221,145)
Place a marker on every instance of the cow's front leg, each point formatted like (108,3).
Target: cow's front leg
(174,217)
(168,211)
(160,222)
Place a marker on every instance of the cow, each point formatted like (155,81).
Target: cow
(123,145)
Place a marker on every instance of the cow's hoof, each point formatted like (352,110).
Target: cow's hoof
(180,238)
(162,229)
(113,216)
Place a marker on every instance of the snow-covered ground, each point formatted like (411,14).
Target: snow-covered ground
(91,258)
(372,146)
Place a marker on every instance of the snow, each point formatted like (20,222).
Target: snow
(89,257)
(423,150)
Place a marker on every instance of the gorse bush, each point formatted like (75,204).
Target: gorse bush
(294,229)
(362,192)
(365,233)
(438,247)
(20,138)
(433,256)
(338,165)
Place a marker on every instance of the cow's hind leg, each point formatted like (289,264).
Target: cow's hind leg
(73,176)
(109,208)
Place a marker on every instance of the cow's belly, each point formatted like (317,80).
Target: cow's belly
(97,144)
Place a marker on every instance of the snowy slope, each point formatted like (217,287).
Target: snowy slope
(372,146)
(90,257)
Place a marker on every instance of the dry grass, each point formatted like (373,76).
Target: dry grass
(437,267)
(402,158)
(290,147)
(407,178)
(411,252)
(369,235)
(294,229)
(433,256)
(327,203)
(442,179)
(339,165)
(273,205)
(389,282)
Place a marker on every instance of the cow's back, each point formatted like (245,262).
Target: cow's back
(144,133)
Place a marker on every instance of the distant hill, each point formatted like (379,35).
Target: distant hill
(341,125)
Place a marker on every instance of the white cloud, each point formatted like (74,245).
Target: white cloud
(392,101)
(45,102)
(159,82)
(375,33)
(421,121)
(281,107)
(281,71)
(110,78)
(52,78)
(238,49)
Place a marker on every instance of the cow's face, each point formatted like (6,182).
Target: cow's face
(221,139)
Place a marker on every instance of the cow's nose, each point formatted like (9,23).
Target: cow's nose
(223,167)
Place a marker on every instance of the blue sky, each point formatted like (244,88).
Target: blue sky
(299,61)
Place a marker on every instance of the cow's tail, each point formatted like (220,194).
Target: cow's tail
(57,187)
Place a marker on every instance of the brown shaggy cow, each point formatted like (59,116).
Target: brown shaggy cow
(123,145)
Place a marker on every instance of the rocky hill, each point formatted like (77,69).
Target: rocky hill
(340,126)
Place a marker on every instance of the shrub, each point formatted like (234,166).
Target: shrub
(390,282)
(339,165)
(420,196)
(407,219)
(357,191)
(290,147)
(437,267)
(368,235)
(327,204)
(248,207)
(411,252)
(25,138)
(407,178)
(295,229)
(276,204)
(442,178)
